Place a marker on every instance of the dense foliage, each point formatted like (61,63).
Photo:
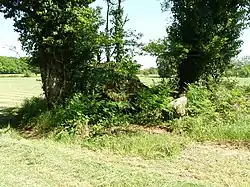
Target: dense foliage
(240,68)
(221,112)
(86,94)
(157,49)
(12,65)
(203,37)
(239,71)
(98,114)
(62,38)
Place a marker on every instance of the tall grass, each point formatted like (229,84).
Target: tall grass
(221,112)
(149,146)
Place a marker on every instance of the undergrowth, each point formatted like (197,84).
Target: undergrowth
(95,114)
(149,146)
(220,112)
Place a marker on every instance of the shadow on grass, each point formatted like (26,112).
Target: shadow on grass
(8,116)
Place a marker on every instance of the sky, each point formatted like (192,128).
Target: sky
(145,16)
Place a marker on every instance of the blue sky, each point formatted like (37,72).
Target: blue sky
(145,17)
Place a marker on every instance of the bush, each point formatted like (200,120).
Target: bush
(152,105)
(98,112)
(221,113)
(32,108)
(145,73)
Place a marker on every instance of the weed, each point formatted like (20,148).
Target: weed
(150,146)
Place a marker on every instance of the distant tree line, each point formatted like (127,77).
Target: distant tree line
(240,68)
(14,65)
(149,71)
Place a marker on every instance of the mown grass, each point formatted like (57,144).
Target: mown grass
(154,79)
(150,79)
(14,90)
(48,163)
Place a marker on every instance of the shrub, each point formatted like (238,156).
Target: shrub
(152,105)
(98,112)
(221,112)
(31,109)
(145,73)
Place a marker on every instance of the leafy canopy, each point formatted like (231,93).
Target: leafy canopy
(204,36)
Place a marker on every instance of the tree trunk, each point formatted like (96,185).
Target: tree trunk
(107,47)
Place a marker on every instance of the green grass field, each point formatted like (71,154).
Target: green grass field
(15,89)
(154,79)
(42,163)
(149,80)
(146,159)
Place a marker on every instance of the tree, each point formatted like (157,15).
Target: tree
(158,48)
(62,38)
(203,37)
(240,68)
(13,65)
(119,43)
(153,70)
(107,31)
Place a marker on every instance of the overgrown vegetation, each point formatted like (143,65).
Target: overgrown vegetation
(85,96)
(219,113)
(149,146)
(94,114)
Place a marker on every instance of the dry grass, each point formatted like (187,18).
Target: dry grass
(47,163)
